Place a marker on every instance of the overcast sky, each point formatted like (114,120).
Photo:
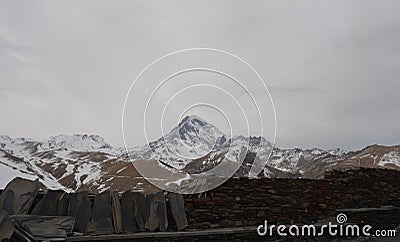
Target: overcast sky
(332,67)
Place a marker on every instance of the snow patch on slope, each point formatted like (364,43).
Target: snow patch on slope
(75,142)
(391,158)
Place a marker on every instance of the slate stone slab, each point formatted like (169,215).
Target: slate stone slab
(162,211)
(101,222)
(48,205)
(18,196)
(65,223)
(45,226)
(100,227)
(156,212)
(102,206)
(177,206)
(140,210)
(151,212)
(63,204)
(8,200)
(116,212)
(128,212)
(80,208)
(6,226)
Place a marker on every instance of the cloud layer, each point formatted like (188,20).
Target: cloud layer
(332,68)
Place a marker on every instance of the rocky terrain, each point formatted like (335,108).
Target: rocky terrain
(84,161)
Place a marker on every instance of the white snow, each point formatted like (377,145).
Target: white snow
(192,138)
(391,158)
(9,173)
(79,142)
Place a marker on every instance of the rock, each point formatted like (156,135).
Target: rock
(128,212)
(238,223)
(48,206)
(140,210)
(156,213)
(176,204)
(101,222)
(116,212)
(100,227)
(8,200)
(46,226)
(102,206)
(80,208)
(151,212)
(162,211)
(261,214)
(18,196)
(323,205)
(214,226)
(63,204)
(6,226)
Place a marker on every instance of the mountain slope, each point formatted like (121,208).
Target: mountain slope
(68,162)
(374,156)
(82,161)
(192,138)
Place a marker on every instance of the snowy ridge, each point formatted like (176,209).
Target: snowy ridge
(75,142)
(55,160)
(192,138)
(83,161)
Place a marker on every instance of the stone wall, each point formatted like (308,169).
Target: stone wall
(248,202)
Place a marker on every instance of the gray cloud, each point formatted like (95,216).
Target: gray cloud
(294,90)
(332,67)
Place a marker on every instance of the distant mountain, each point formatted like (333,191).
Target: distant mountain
(373,156)
(76,142)
(73,162)
(192,138)
(82,161)
(195,145)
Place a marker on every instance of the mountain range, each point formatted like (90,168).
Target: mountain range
(88,162)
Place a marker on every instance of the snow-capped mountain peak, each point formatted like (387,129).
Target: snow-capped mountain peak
(76,142)
(194,131)
(192,138)
(84,161)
